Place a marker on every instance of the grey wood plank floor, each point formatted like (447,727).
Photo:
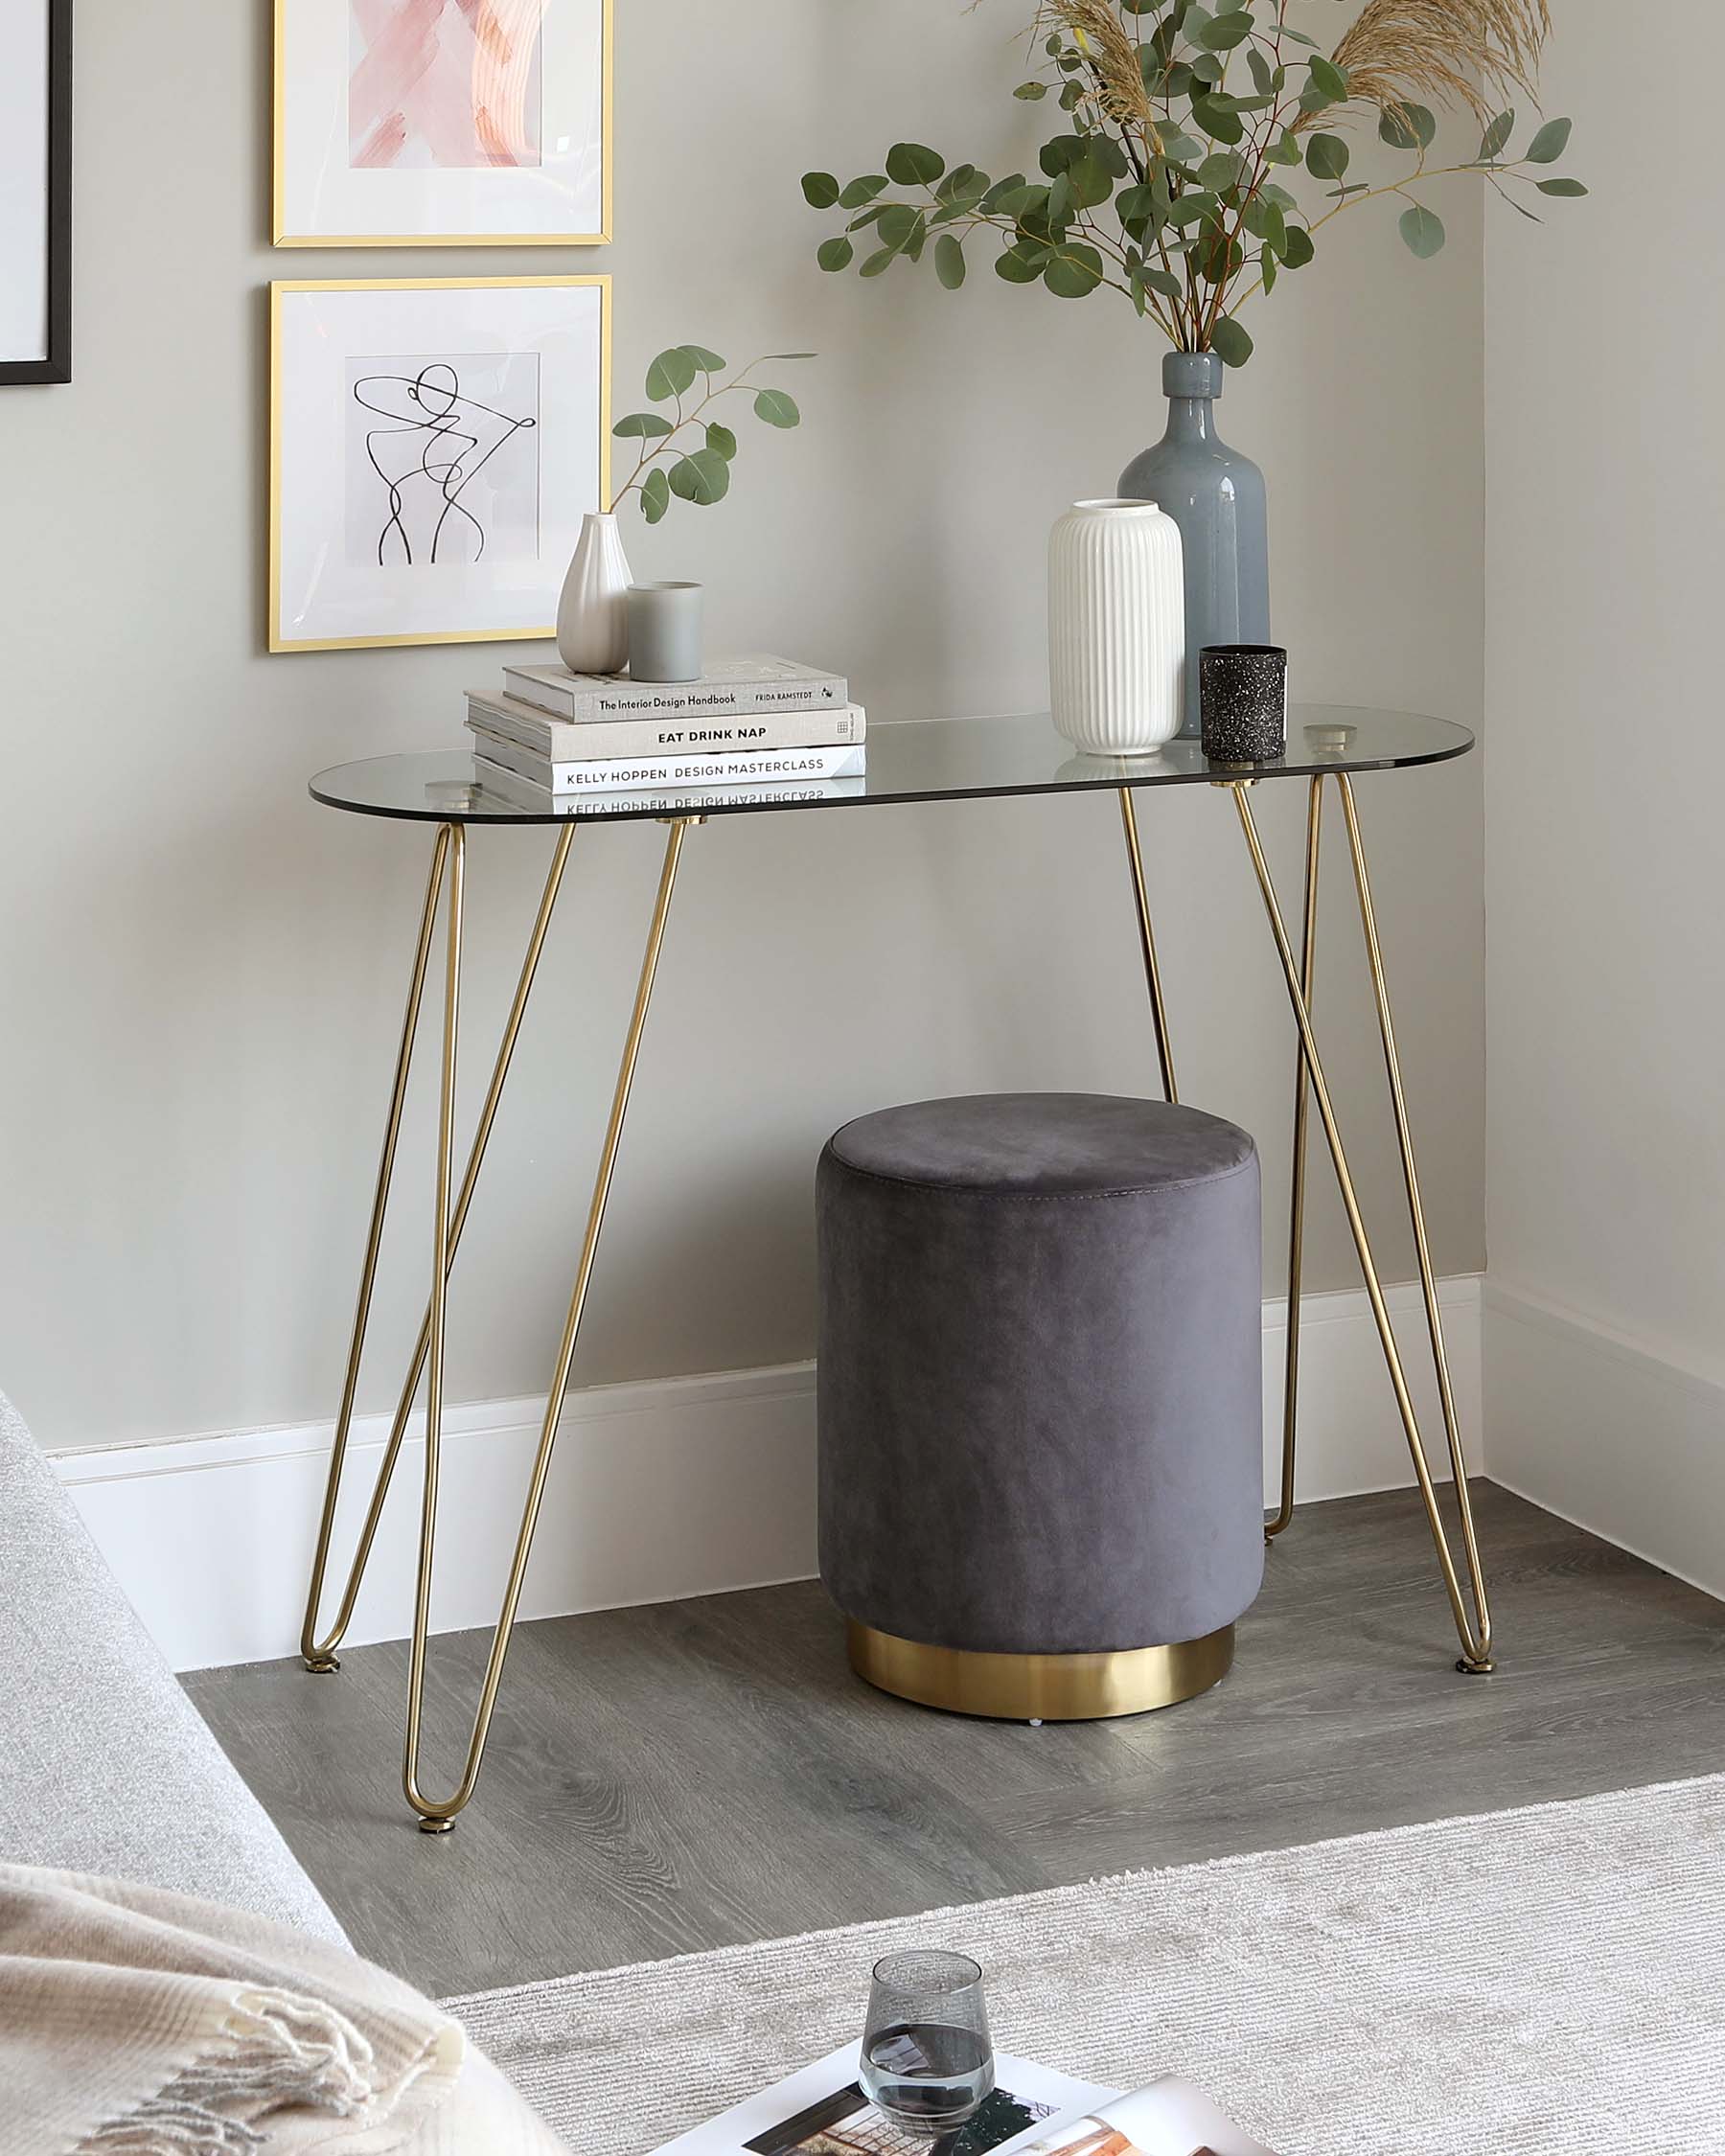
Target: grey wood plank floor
(695,1773)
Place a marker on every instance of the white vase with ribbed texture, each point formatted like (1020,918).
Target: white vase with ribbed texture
(1116,626)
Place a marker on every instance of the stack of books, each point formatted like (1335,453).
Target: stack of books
(553,738)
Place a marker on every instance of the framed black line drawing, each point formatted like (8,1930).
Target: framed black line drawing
(435,444)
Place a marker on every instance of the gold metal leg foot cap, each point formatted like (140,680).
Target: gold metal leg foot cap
(437,1827)
(1081,1687)
(1484,1669)
(322,1665)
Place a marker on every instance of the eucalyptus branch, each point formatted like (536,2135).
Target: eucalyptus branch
(699,474)
(1162,171)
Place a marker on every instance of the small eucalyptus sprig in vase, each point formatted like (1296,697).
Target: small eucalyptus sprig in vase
(700,474)
(684,456)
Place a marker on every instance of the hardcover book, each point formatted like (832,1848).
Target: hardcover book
(728,688)
(524,793)
(562,741)
(613,774)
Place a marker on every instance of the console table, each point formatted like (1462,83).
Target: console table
(922,761)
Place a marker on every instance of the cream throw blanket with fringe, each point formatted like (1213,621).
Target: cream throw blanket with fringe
(136,2023)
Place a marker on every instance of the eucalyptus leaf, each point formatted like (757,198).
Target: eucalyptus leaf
(670,374)
(1217,117)
(776,408)
(1223,32)
(1230,342)
(643,427)
(720,441)
(1570,186)
(1297,249)
(702,477)
(879,262)
(835,254)
(1496,136)
(820,190)
(1015,201)
(909,164)
(1407,125)
(709,363)
(863,190)
(1223,169)
(656,495)
(1329,79)
(1072,272)
(1549,143)
(1220,258)
(1032,93)
(1017,267)
(1326,156)
(1422,230)
(949,260)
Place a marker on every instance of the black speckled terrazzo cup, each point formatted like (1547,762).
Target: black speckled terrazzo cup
(1242,691)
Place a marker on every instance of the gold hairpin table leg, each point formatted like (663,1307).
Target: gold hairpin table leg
(1141,892)
(1474,1631)
(437,1816)
(1308,958)
(319,1656)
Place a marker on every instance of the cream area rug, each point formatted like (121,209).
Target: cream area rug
(1533,1982)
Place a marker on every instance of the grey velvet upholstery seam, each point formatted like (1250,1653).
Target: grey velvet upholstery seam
(953,1190)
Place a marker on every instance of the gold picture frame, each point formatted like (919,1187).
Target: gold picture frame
(281,236)
(283,290)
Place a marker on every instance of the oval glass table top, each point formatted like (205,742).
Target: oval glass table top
(909,760)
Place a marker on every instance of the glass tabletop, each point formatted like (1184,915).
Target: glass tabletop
(909,760)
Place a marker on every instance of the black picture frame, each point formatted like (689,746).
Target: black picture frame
(57,366)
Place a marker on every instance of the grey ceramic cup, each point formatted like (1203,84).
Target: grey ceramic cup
(1243,694)
(664,632)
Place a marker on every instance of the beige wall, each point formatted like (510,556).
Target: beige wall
(1606,448)
(202,972)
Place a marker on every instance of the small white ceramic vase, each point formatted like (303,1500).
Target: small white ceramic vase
(592,616)
(1116,626)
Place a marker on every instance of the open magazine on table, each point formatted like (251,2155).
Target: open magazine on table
(822,2111)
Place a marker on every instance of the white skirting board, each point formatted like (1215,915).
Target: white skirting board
(1611,1435)
(659,1490)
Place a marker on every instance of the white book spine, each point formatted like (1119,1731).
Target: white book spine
(703,700)
(509,786)
(556,741)
(618,774)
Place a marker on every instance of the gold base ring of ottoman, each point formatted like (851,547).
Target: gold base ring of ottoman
(1081,1687)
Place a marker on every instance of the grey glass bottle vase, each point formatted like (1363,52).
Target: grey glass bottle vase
(1216,496)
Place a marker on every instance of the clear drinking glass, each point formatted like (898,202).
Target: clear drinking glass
(927,2059)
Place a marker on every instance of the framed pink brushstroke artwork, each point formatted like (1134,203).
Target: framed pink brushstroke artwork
(428,122)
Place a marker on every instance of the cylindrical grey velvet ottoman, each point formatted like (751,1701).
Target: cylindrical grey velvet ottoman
(1041,1400)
